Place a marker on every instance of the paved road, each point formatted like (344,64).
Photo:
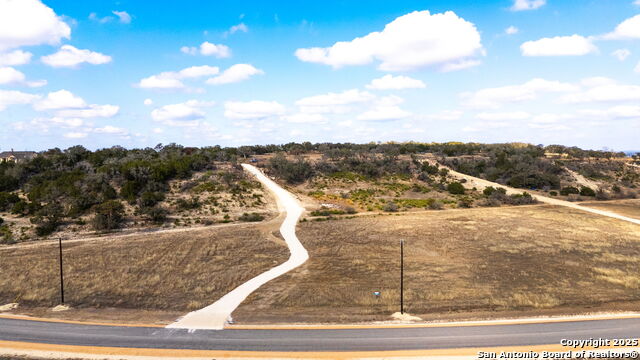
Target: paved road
(374,339)
(215,315)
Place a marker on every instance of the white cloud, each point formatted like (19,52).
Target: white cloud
(344,98)
(304,118)
(384,113)
(235,28)
(124,17)
(621,54)
(112,130)
(574,45)
(75,135)
(11,76)
(208,49)
(94,17)
(486,125)
(637,68)
(409,42)
(219,51)
(197,71)
(70,56)
(390,82)
(628,29)
(252,109)
(14,58)
(183,114)
(615,112)
(91,111)
(172,79)
(148,102)
(446,115)
(511,30)
(502,116)
(636,2)
(10,97)
(520,5)
(29,22)
(62,99)
(234,74)
(496,97)
(603,90)
(69,106)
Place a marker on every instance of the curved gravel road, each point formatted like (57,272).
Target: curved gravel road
(216,315)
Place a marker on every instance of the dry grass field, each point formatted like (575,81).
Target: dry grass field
(169,271)
(629,207)
(535,259)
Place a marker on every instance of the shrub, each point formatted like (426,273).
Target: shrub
(455,188)
(156,214)
(251,217)
(150,199)
(190,204)
(7,200)
(465,202)
(522,199)
(350,210)
(47,219)
(553,193)
(488,190)
(390,206)
(569,190)
(1,221)
(586,191)
(436,205)
(6,236)
(602,195)
(108,215)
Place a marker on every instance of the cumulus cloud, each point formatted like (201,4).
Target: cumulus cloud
(521,5)
(183,114)
(10,97)
(66,106)
(124,17)
(333,102)
(603,90)
(15,58)
(208,49)
(621,54)
(29,22)
(62,99)
(413,41)
(148,102)
(446,115)
(11,76)
(498,96)
(390,82)
(252,109)
(76,135)
(70,56)
(574,45)
(234,74)
(615,112)
(628,29)
(94,17)
(112,130)
(511,30)
(173,79)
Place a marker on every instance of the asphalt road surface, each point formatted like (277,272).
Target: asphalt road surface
(374,339)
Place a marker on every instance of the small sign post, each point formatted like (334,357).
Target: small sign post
(401,276)
(61,273)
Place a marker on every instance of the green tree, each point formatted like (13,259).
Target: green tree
(108,215)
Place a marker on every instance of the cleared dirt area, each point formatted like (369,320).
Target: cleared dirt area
(164,274)
(469,263)
(629,208)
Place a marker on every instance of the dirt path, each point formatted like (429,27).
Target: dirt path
(583,181)
(216,315)
(482,183)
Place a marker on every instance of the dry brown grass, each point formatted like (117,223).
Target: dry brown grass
(171,271)
(478,260)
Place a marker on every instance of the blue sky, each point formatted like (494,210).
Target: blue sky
(105,73)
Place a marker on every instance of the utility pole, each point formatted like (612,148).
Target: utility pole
(61,273)
(401,276)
